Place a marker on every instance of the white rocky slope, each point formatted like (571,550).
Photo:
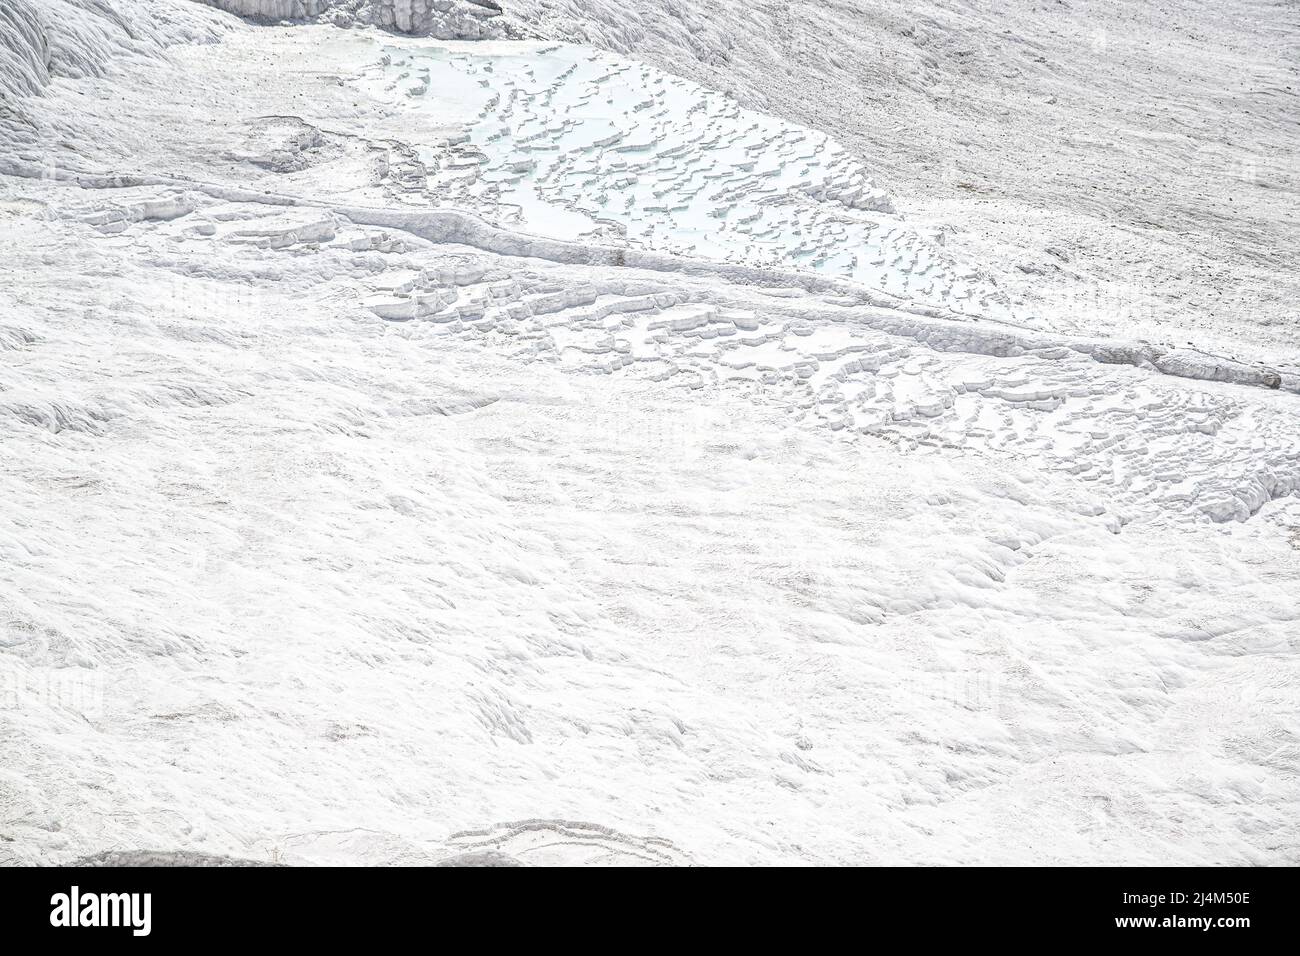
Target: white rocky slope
(388,479)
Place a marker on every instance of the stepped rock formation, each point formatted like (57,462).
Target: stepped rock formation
(445,19)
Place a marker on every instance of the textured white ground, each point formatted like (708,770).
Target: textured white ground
(418,450)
